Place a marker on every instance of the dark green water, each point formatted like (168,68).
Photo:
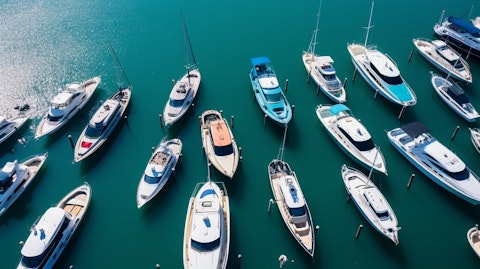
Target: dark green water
(45,44)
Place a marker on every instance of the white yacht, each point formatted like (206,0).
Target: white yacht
(65,105)
(206,238)
(15,177)
(8,126)
(102,124)
(351,135)
(436,161)
(371,203)
(292,204)
(50,234)
(443,57)
(462,34)
(381,73)
(185,89)
(321,70)
(219,143)
(454,97)
(159,169)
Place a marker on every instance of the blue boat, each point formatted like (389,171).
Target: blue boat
(268,93)
(436,161)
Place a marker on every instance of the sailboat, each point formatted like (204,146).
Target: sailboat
(206,239)
(185,89)
(321,70)
(105,119)
(371,202)
(381,72)
(290,200)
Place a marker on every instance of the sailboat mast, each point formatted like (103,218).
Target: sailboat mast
(369,24)
(116,65)
(186,39)
(313,42)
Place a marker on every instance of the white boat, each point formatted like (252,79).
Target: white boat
(8,126)
(436,161)
(65,105)
(102,124)
(292,204)
(219,143)
(106,118)
(351,135)
(185,89)
(460,33)
(475,137)
(454,96)
(473,237)
(443,57)
(16,177)
(53,230)
(321,70)
(159,169)
(206,238)
(267,91)
(371,203)
(381,72)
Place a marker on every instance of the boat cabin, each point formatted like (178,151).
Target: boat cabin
(7,175)
(378,205)
(446,161)
(356,133)
(448,54)
(44,236)
(156,168)
(206,233)
(102,118)
(221,139)
(60,103)
(385,68)
(294,199)
(177,97)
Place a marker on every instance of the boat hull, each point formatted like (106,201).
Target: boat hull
(146,191)
(15,124)
(45,127)
(33,164)
(81,152)
(359,187)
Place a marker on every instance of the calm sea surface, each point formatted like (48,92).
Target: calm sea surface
(46,44)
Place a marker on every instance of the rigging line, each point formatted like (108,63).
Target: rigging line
(117,61)
(374,160)
(187,38)
(282,147)
(313,42)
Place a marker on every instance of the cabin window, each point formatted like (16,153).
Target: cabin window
(274,97)
(93,131)
(205,246)
(297,211)
(152,180)
(390,80)
(176,103)
(223,150)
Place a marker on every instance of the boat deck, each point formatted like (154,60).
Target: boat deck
(75,205)
(160,158)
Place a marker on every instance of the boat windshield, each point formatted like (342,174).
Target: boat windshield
(274,97)
(176,103)
(94,132)
(297,211)
(397,80)
(40,260)
(152,180)
(206,246)
(54,118)
(360,145)
(223,150)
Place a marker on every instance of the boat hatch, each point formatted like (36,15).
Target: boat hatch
(105,113)
(373,197)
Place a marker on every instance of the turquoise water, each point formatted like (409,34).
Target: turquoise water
(45,44)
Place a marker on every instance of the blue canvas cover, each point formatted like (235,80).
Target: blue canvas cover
(259,60)
(467,26)
(335,109)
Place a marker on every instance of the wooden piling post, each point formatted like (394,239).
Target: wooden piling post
(410,181)
(354,74)
(286,85)
(344,82)
(455,132)
(71,141)
(232,121)
(358,231)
